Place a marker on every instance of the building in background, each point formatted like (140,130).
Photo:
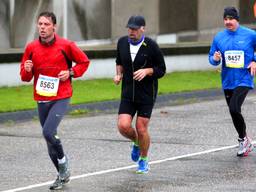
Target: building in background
(103,21)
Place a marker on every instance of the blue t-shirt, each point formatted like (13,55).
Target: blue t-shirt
(237,52)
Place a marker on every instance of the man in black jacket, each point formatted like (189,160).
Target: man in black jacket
(139,64)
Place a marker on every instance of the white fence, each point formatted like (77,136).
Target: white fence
(105,68)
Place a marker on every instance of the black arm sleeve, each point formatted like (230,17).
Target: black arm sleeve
(159,67)
(118,58)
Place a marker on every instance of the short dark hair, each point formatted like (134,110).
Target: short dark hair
(48,14)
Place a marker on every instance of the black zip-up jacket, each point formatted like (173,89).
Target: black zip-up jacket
(148,56)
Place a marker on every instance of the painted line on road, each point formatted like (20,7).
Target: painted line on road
(126,167)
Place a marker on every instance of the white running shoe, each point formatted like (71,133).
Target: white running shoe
(245,146)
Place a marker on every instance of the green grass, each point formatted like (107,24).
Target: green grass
(189,81)
(21,97)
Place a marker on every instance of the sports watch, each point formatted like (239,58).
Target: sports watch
(71,72)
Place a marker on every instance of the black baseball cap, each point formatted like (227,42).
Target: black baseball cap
(135,22)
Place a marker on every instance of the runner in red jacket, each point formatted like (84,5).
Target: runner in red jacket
(49,61)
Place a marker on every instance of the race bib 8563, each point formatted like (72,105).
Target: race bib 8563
(47,86)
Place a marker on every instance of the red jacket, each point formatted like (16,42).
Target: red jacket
(49,59)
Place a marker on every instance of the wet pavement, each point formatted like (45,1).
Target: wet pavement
(100,160)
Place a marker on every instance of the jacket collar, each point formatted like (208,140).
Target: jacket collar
(48,43)
(141,49)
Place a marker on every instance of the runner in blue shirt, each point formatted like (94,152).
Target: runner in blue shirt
(234,48)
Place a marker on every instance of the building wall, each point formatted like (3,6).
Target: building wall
(210,12)
(23,26)
(121,10)
(246,11)
(89,19)
(86,19)
(189,20)
(4,23)
(177,15)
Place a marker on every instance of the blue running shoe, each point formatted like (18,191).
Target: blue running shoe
(143,167)
(135,154)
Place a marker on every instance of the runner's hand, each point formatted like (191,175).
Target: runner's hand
(252,67)
(141,73)
(117,79)
(63,75)
(28,65)
(217,56)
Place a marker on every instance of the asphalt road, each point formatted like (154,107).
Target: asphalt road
(193,149)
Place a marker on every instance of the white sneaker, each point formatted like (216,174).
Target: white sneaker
(58,184)
(245,146)
(64,172)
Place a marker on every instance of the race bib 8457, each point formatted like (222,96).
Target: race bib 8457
(234,59)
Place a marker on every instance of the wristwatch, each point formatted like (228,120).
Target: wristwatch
(71,73)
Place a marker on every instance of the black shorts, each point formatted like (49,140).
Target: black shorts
(129,107)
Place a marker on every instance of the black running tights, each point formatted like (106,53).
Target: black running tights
(50,115)
(235,98)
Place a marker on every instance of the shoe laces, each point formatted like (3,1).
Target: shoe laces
(242,143)
(57,181)
(142,163)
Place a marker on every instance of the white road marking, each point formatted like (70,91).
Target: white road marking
(126,167)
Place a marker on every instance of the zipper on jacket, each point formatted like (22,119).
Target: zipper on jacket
(153,91)
(133,83)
